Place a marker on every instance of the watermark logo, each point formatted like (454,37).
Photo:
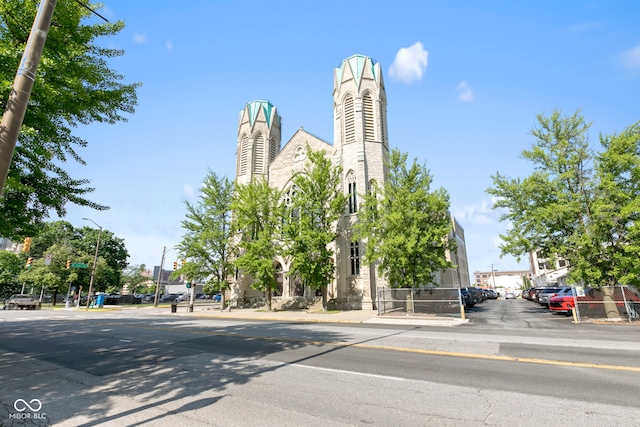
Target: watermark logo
(34,405)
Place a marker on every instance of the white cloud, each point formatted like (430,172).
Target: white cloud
(139,38)
(188,192)
(169,45)
(631,58)
(465,94)
(477,214)
(410,63)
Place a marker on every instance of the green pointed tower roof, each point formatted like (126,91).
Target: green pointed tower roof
(269,111)
(357,64)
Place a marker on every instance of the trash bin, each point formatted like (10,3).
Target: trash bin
(100,301)
(174,307)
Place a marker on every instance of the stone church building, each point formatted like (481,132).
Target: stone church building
(361,148)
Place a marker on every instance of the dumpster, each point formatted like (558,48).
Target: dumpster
(174,307)
(100,301)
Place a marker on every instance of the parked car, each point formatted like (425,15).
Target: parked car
(168,297)
(509,295)
(21,301)
(546,294)
(467,299)
(562,303)
(475,295)
(491,294)
(217,297)
(183,297)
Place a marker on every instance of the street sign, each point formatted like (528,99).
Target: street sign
(79,265)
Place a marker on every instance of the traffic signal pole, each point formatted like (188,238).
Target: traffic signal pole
(23,83)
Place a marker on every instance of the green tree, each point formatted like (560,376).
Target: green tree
(258,212)
(55,277)
(576,204)
(10,267)
(74,86)
(82,242)
(134,276)
(406,225)
(315,208)
(206,243)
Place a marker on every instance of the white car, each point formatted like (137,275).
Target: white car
(509,295)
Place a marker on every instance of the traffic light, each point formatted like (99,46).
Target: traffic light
(184,262)
(26,246)
(175,265)
(29,262)
(68,264)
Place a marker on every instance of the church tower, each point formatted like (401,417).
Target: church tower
(362,147)
(259,130)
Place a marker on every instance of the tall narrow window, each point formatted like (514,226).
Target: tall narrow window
(355,258)
(351,189)
(244,153)
(258,153)
(382,124)
(369,128)
(273,150)
(349,120)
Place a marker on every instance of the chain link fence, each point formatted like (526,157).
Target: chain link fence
(419,301)
(611,302)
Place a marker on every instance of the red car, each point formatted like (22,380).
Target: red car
(562,303)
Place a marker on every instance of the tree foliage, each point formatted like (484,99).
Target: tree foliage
(74,86)
(258,211)
(10,267)
(317,201)
(63,243)
(577,204)
(406,225)
(206,243)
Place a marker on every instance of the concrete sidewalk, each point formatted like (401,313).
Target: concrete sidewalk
(351,316)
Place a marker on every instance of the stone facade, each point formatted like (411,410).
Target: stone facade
(360,147)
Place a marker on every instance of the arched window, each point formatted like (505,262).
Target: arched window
(258,153)
(349,120)
(369,127)
(244,154)
(351,190)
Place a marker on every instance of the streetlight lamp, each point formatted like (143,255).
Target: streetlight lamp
(95,261)
(493,276)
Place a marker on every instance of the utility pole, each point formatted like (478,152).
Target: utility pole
(155,301)
(23,83)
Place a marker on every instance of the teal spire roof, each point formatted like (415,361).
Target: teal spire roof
(357,64)
(254,108)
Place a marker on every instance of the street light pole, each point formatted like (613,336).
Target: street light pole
(95,261)
(493,276)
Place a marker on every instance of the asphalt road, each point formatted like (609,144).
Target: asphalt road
(512,364)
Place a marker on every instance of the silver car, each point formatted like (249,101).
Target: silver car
(545,295)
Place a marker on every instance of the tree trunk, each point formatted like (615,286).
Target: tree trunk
(269,298)
(610,307)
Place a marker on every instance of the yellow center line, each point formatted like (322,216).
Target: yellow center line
(396,349)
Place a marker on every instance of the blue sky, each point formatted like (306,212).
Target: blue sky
(464,81)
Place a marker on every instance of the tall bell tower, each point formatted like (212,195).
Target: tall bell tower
(361,142)
(259,130)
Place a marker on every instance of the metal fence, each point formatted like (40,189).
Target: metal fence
(614,302)
(419,301)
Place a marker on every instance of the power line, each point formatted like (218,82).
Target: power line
(91,10)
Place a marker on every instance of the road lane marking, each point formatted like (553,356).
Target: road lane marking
(398,349)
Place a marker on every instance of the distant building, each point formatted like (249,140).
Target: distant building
(506,279)
(547,272)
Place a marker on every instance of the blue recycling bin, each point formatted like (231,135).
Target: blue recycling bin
(100,301)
